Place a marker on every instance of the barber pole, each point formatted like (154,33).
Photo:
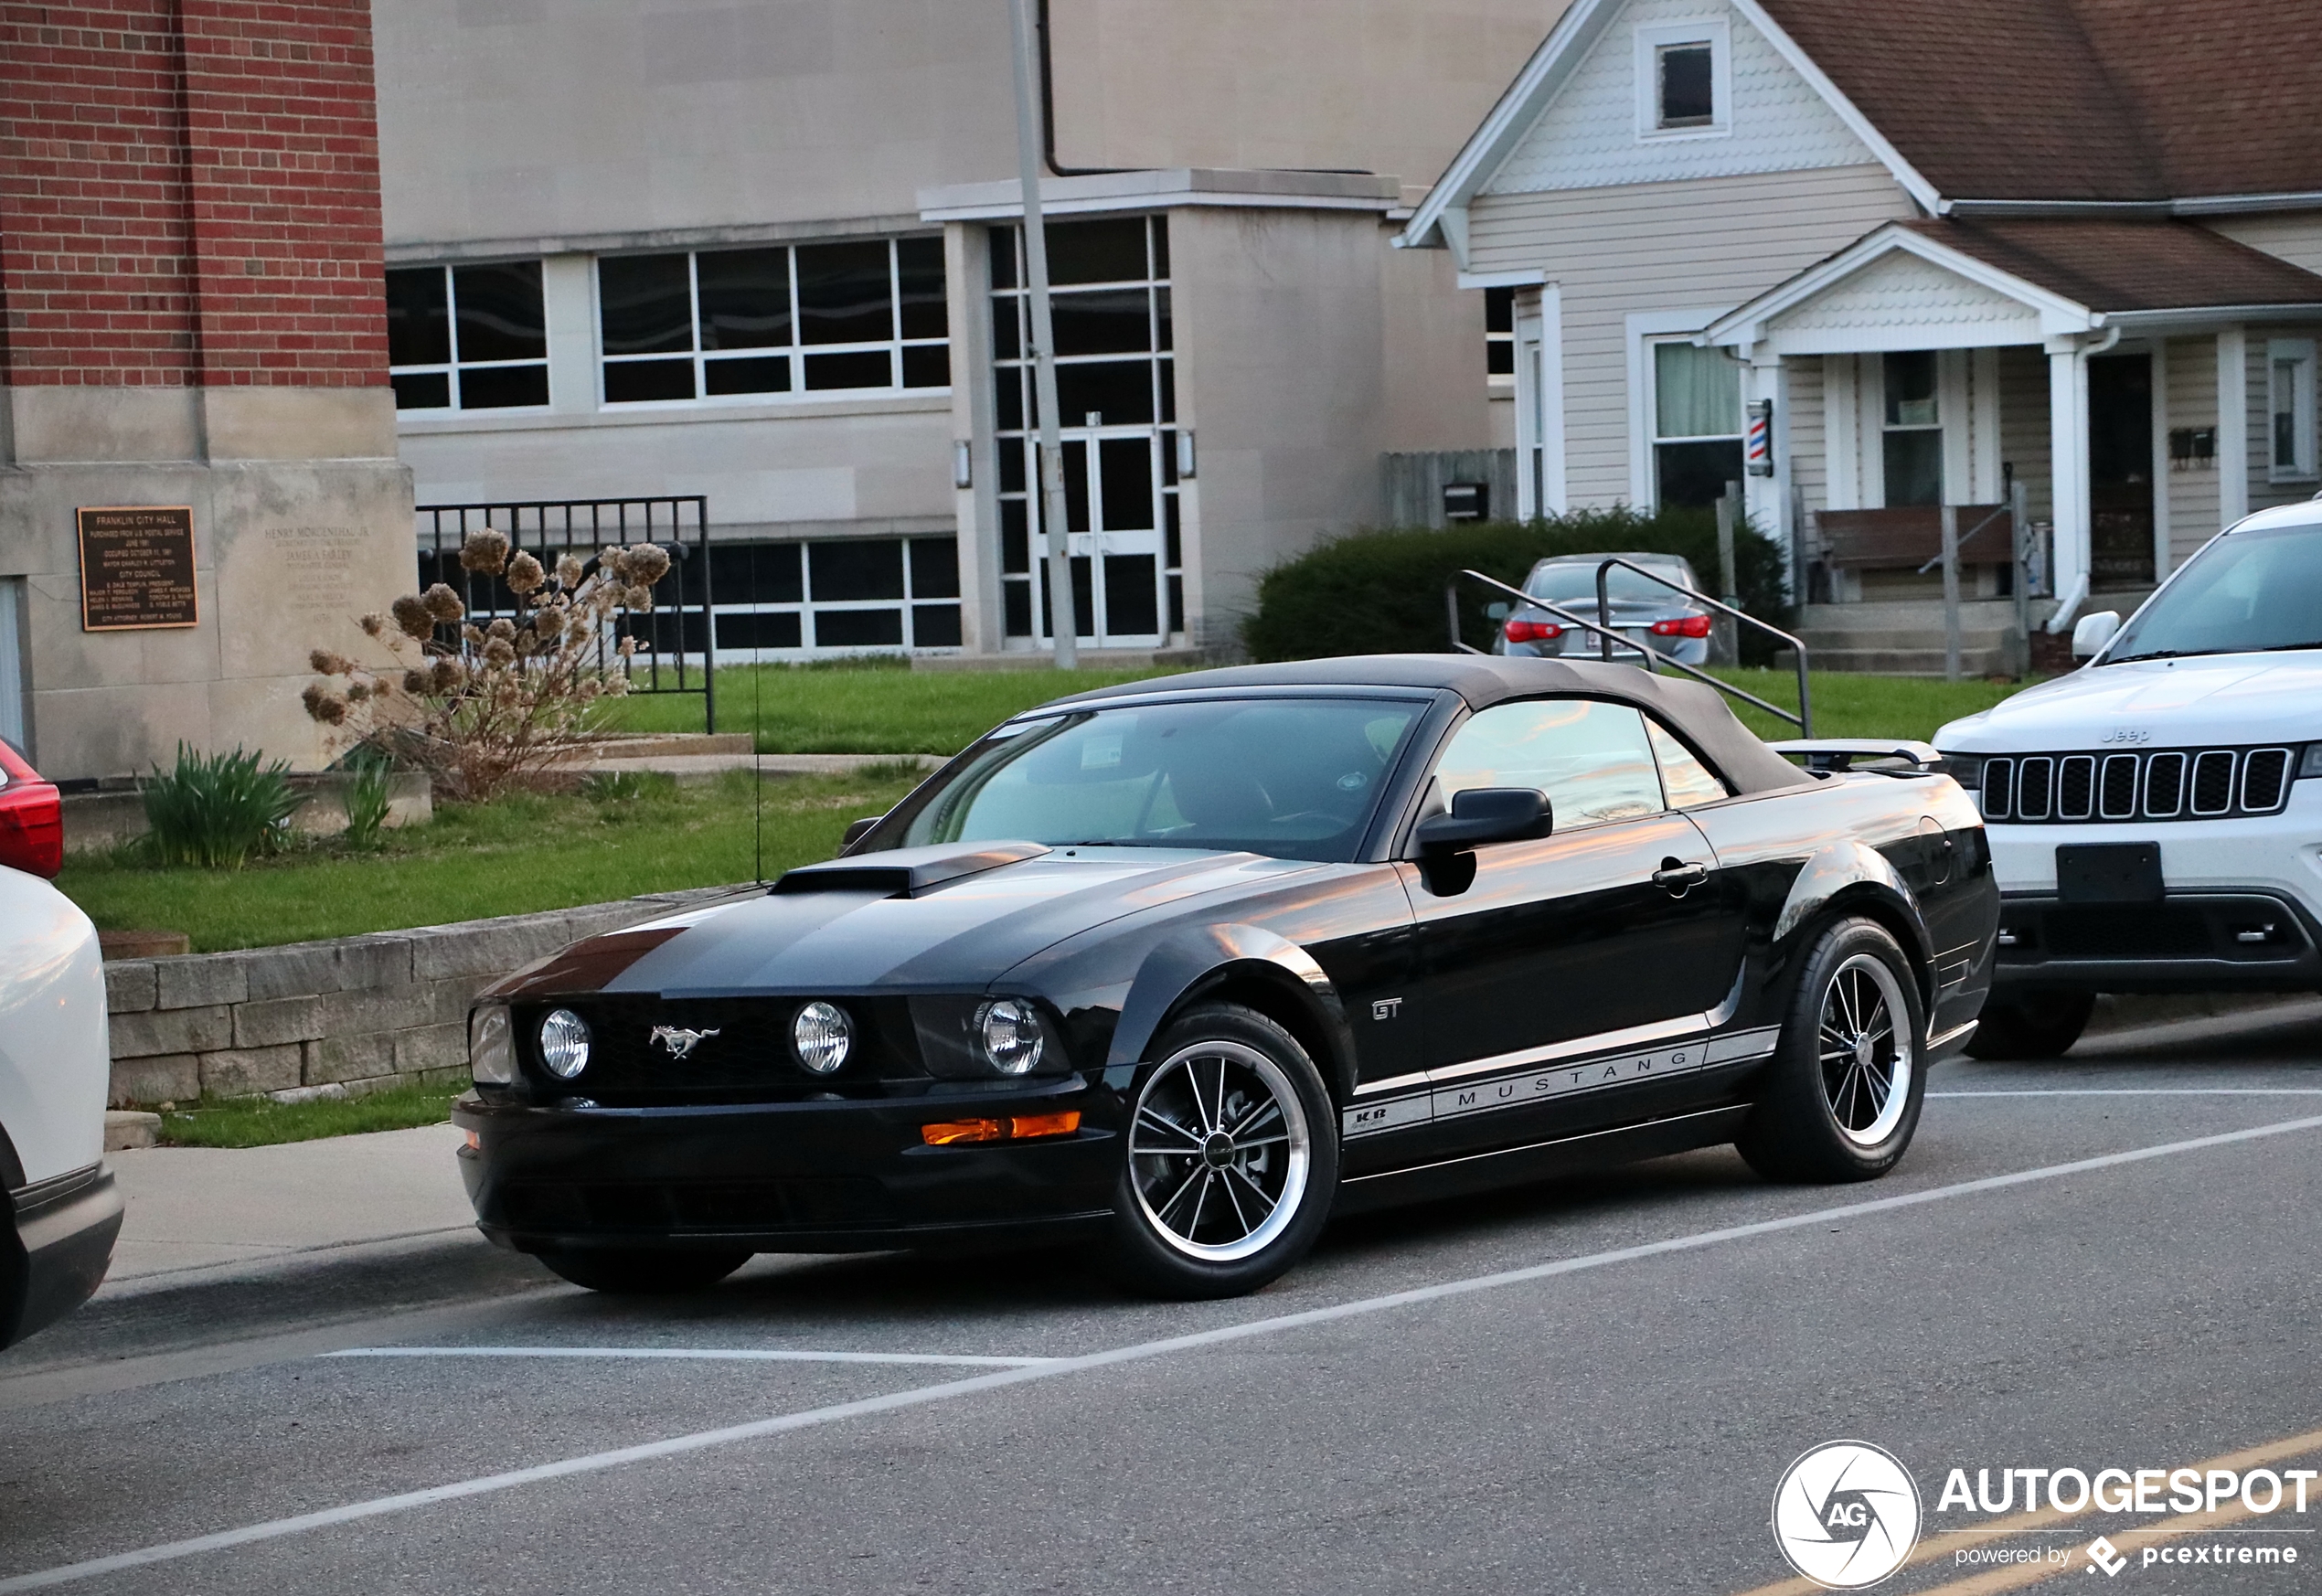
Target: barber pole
(1758,441)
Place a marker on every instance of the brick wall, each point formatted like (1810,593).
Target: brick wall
(189,194)
(356,1012)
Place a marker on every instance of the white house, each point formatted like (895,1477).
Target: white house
(1941,247)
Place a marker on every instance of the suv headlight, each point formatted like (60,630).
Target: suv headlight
(2311,764)
(1966,769)
(491,1059)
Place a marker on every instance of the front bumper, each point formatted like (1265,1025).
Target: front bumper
(833,1176)
(62,1244)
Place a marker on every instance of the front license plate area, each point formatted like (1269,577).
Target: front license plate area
(2109,873)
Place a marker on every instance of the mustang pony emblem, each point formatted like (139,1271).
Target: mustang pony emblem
(679,1043)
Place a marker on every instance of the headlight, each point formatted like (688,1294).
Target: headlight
(1967,769)
(2311,764)
(564,1043)
(1008,1032)
(491,1060)
(821,1036)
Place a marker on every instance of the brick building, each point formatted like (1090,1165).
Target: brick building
(191,314)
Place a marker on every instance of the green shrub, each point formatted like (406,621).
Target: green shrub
(216,811)
(1382,593)
(367,802)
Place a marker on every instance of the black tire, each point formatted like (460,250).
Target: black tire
(638,1272)
(1822,1115)
(2031,1025)
(1187,1222)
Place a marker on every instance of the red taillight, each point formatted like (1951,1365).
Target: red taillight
(32,828)
(1532,630)
(1690,626)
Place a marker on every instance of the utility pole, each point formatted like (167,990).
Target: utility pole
(1062,619)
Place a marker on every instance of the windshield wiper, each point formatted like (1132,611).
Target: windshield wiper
(2286,647)
(2167,653)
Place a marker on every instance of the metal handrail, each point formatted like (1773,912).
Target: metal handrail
(1964,537)
(1803,719)
(1654,658)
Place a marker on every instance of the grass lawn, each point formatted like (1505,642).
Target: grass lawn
(261,1122)
(516,856)
(1852,706)
(861,708)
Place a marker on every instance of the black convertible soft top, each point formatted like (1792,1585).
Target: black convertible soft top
(1695,712)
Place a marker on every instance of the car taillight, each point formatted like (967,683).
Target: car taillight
(1689,626)
(1533,631)
(32,828)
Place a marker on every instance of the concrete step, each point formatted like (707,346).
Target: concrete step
(1820,638)
(1908,662)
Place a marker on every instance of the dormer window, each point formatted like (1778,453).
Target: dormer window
(1684,80)
(1683,86)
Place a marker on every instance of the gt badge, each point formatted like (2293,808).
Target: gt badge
(1386,1008)
(679,1043)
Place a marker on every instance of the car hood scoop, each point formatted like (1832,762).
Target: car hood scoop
(906,872)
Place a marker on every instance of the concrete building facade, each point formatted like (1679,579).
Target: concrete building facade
(767,253)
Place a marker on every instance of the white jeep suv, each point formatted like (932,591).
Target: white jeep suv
(2156,818)
(55,1063)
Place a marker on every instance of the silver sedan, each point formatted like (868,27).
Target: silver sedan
(1644,612)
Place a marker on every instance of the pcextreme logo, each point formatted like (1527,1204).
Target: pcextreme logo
(1846,1514)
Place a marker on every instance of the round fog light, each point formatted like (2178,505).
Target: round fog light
(1009,1031)
(821,1036)
(564,1043)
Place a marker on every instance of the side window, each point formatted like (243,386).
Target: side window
(1688,780)
(1592,760)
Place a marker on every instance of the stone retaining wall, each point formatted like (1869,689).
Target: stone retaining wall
(356,1012)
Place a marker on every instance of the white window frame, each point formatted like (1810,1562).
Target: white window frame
(2299,403)
(795,352)
(1651,39)
(16,709)
(1647,329)
(451,369)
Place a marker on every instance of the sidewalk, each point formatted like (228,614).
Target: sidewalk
(197,1212)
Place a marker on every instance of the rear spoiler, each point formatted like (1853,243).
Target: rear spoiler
(1888,756)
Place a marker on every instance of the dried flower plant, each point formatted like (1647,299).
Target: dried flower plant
(486,708)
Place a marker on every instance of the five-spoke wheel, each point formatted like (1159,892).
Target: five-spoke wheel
(1232,1161)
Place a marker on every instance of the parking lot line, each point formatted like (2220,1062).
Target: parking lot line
(2142,1091)
(1936,1547)
(704,1354)
(922,1396)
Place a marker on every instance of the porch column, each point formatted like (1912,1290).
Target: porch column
(2233,425)
(2068,452)
(1767,498)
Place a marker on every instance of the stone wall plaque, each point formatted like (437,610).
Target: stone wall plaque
(137,567)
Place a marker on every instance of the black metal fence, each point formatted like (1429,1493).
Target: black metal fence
(672,639)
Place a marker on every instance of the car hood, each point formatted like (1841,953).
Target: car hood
(853,932)
(2158,703)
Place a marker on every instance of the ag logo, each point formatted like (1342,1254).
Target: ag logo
(1847,1515)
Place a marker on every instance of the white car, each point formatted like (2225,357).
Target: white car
(2156,818)
(55,1064)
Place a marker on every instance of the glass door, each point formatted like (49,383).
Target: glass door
(1112,491)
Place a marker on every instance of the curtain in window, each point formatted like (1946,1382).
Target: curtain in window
(1696,393)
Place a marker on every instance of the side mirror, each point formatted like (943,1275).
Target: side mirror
(859,829)
(2093,632)
(1487,814)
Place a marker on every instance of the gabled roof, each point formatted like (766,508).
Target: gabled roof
(2171,106)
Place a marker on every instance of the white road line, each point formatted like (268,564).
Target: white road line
(706,1355)
(2145,1092)
(922,1396)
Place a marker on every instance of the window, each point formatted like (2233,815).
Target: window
(1913,440)
(1499,332)
(1592,760)
(1683,80)
(467,338)
(1697,425)
(839,596)
(2290,401)
(724,323)
(1684,778)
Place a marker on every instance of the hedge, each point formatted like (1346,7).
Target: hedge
(1382,591)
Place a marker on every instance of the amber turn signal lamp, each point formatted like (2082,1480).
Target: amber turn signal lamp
(475,1142)
(1020,1128)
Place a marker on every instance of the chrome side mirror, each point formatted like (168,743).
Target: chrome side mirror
(2093,632)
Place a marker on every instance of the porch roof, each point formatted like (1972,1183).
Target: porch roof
(1949,283)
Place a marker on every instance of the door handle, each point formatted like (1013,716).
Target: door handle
(1677,877)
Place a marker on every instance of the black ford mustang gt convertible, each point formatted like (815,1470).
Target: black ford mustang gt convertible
(1182,968)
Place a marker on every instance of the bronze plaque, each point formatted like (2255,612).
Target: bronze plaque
(136,568)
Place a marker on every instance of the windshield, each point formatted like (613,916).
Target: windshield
(1293,778)
(2245,592)
(1561,584)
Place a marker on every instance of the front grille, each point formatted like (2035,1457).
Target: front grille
(2209,783)
(748,1057)
(2099,933)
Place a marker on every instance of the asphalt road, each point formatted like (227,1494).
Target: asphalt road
(1590,1385)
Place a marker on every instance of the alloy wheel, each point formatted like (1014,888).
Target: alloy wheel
(1220,1151)
(1867,1049)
